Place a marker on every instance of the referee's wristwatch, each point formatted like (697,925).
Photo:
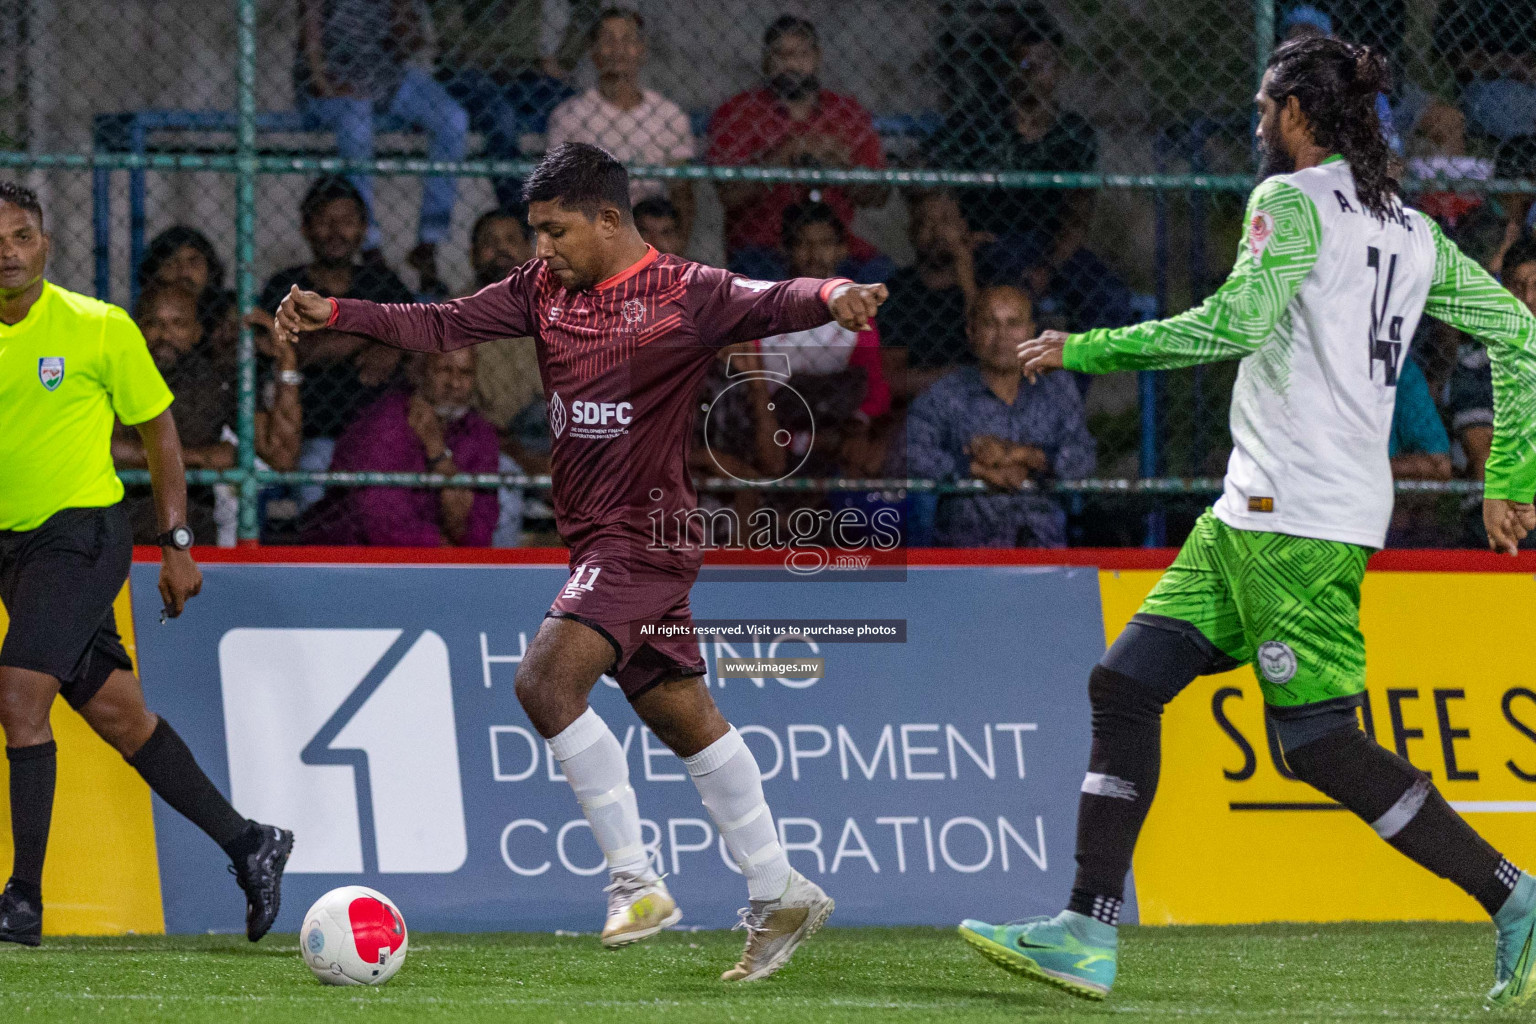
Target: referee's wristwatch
(178,537)
(432,464)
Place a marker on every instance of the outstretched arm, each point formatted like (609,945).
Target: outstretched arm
(729,308)
(500,310)
(1465,296)
(1279,250)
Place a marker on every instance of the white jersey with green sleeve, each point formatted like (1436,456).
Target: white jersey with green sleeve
(1320,307)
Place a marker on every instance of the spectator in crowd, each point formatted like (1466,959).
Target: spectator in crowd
(205,409)
(986,421)
(434,429)
(1420,450)
(790,121)
(508,391)
(352,60)
(491,59)
(1041,234)
(635,124)
(1491,47)
(837,371)
(922,324)
(1437,148)
(184,256)
(342,372)
(659,224)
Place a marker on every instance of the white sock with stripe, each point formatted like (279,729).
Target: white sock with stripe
(731,786)
(593,762)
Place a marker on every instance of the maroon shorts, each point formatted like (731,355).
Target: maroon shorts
(633,603)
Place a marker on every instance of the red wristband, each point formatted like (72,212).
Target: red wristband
(832,284)
(335,311)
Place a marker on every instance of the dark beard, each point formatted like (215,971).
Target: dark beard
(791,87)
(936,259)
(1274,160)
(496,270)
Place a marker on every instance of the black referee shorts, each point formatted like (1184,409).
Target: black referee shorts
(57,584)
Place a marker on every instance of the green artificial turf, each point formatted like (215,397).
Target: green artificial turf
(1397,972)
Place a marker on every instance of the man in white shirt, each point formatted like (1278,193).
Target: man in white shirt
(635,124)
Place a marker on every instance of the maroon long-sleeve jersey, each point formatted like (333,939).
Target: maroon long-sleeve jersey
(621,365)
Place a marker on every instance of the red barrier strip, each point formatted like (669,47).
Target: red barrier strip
(1429,560)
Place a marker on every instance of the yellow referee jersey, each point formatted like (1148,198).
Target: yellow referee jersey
(65,370)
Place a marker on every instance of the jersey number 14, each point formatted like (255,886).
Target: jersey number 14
(1386,350)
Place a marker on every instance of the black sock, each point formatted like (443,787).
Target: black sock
(1117,792)
(1400,803)
(34,770)
(172,772)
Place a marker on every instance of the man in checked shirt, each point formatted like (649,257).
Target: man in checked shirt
(624,337)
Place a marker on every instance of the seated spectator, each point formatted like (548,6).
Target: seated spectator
(184,256)
(343,373)
(986,421)
(658,222)
(1491,47)
(837,371)
(205,410)
(1420,450)
(790,121)
(491,59)
(635,124)
(508,390)
(433,430)
(352,60)
(922,324)
(1438,149)
(1041,234)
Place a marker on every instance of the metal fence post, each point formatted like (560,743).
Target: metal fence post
(245,257)
(1263,36)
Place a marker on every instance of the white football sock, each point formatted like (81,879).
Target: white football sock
(731,786)
(591,758)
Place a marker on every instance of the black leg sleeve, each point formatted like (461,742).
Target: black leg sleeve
(1147,666)
(1403,807)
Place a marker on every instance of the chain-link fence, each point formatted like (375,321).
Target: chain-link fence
(1002,166)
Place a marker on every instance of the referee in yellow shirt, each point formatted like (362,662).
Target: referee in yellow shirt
(68,365)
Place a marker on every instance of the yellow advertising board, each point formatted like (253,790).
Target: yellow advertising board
(101,876)
(1232,838)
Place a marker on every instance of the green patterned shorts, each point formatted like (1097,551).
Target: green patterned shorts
(1290,605)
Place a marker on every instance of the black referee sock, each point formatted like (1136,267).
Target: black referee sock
(168,766)
(34,771)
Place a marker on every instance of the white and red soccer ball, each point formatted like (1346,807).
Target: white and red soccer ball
(353,936)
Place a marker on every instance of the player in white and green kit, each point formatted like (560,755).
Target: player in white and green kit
(1331,279)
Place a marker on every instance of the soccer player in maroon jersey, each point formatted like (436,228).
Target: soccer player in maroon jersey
(624,338)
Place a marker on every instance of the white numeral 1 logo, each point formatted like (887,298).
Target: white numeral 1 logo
(347,737)
(575,586)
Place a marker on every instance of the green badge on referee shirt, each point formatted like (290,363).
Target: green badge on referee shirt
(50,370)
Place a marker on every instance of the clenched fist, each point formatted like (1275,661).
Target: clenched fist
(300,311)
(852,305)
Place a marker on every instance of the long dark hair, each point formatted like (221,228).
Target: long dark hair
(1336,84)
